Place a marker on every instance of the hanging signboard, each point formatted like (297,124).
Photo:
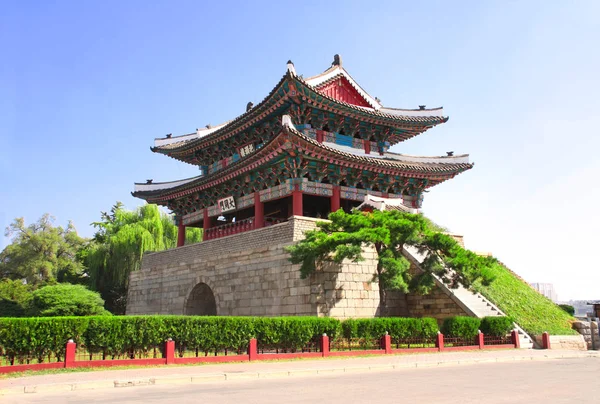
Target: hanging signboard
(226,204)
(246,150)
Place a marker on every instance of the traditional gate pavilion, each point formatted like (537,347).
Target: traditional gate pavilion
(312,146)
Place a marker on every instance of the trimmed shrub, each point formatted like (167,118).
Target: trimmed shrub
(66,300)
(294,332)
(461,326)
(396,327)
(496,326)
(568,308)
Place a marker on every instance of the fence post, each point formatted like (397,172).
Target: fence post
(252,350)
(480,340)
(170,351)
(546,340)
(514,334)
(325,345)
(386,343)
(70,350)
(439,341)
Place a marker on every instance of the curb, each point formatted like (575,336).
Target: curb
(221,377)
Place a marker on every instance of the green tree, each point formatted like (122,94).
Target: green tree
(121,239)
(14,297)
(345,236)
(66,300)
(42,253)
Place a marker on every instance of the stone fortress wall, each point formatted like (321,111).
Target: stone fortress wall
(249,274)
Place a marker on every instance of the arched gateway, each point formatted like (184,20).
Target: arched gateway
(201,301)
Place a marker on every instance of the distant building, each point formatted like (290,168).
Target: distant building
(546,289)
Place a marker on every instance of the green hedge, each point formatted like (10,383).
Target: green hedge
(496,326)
(461,326)
(396,327)
(467,327)
(43,339)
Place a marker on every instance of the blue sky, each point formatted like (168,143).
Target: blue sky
(87,86)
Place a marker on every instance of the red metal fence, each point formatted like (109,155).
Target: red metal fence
(172,353)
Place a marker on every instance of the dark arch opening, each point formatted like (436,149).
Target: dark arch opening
(201,301)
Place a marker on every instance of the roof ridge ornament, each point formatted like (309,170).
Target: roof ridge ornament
(337,60)
(291,68)
(286,121)
(249,106)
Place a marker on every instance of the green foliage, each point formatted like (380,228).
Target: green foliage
(66,300)
(568,308)
(14,298)
(114,336)
(496,326)
(117,248)
(344,236)
(461,326)
(396,327)
(42,339)
(534,312)
(41,253)
(294,332)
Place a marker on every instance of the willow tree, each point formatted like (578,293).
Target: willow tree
(121,239)
(345,236)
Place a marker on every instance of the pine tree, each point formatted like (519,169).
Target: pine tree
(345,236)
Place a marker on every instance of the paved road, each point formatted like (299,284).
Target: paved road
(554,381)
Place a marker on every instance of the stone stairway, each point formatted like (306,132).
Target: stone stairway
(471,302)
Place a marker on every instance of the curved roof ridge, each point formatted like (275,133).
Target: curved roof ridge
(200,132)
(155,186)
(237,119)
(433,112)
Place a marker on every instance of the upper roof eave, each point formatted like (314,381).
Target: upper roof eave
(428,117)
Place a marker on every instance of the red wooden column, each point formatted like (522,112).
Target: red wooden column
(367,145)
(180,234)
(320,136)
(297,201)
(205,223)
(259,211)
(335,198)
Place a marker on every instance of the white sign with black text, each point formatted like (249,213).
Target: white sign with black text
(246,150)
(226,204)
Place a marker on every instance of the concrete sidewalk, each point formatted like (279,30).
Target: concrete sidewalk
(62,382)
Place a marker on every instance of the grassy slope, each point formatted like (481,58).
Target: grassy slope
(532,311)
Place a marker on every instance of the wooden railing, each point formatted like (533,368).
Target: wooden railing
(237,227)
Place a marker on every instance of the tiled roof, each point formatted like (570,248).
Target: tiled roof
(422,169)
(376,202)
(398,117)
(455,163)
(155,186)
